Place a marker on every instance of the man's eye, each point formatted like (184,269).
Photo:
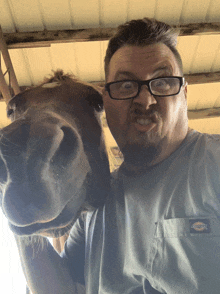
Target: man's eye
(161,84)
(127,85)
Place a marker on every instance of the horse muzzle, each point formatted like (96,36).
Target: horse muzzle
(43,168)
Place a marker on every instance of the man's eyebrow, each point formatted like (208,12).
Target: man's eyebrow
(125,73)
(163,68)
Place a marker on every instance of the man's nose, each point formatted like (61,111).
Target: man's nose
(145,98)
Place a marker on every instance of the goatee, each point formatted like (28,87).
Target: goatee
(140,156)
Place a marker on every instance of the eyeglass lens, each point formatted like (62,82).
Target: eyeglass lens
(165,86)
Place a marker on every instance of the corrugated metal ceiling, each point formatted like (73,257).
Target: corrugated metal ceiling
(36,15)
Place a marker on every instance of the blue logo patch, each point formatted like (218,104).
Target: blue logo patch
(200,226)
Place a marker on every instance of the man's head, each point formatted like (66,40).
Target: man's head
(143,32)
(152,122)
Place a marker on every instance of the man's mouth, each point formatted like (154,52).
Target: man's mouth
(144,121)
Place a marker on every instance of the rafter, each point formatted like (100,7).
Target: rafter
(12,77)
(192,79)
(197,78)
(204,113)
(192,114)
(203,78)
(46,37)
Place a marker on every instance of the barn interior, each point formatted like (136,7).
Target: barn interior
(41,36)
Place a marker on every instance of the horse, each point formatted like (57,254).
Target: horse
(53,160)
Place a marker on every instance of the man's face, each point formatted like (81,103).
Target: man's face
(146,121)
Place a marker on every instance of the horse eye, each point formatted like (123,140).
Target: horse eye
(10,112)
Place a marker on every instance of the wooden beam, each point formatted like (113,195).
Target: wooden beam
(192,114)
(10,70)
(192,79)
(6,95)
(203,78)
(199,29)
(46,38)
(198,78)
(204,113)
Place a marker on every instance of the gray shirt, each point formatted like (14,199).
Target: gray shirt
(158,232)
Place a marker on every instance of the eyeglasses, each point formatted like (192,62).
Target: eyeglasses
(159,87)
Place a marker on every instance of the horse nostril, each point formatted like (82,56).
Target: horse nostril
(70,147)
(13,139)
(10,112)
(70,140)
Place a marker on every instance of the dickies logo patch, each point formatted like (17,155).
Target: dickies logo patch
(200,226)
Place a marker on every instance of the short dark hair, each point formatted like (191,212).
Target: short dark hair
(143,32)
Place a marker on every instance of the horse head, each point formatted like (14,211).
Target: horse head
(53,162)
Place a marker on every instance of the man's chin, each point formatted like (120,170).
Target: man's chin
(137,155)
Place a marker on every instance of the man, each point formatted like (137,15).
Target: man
(159,229)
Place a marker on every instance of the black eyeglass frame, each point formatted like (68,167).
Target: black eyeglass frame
(141,83)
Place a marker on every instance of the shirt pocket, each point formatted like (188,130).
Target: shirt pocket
(187,258)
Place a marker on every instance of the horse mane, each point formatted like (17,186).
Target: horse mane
(59,76)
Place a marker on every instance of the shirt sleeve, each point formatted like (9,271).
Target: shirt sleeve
(74,251)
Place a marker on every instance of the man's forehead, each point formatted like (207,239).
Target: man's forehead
(164,69)
(153,58)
